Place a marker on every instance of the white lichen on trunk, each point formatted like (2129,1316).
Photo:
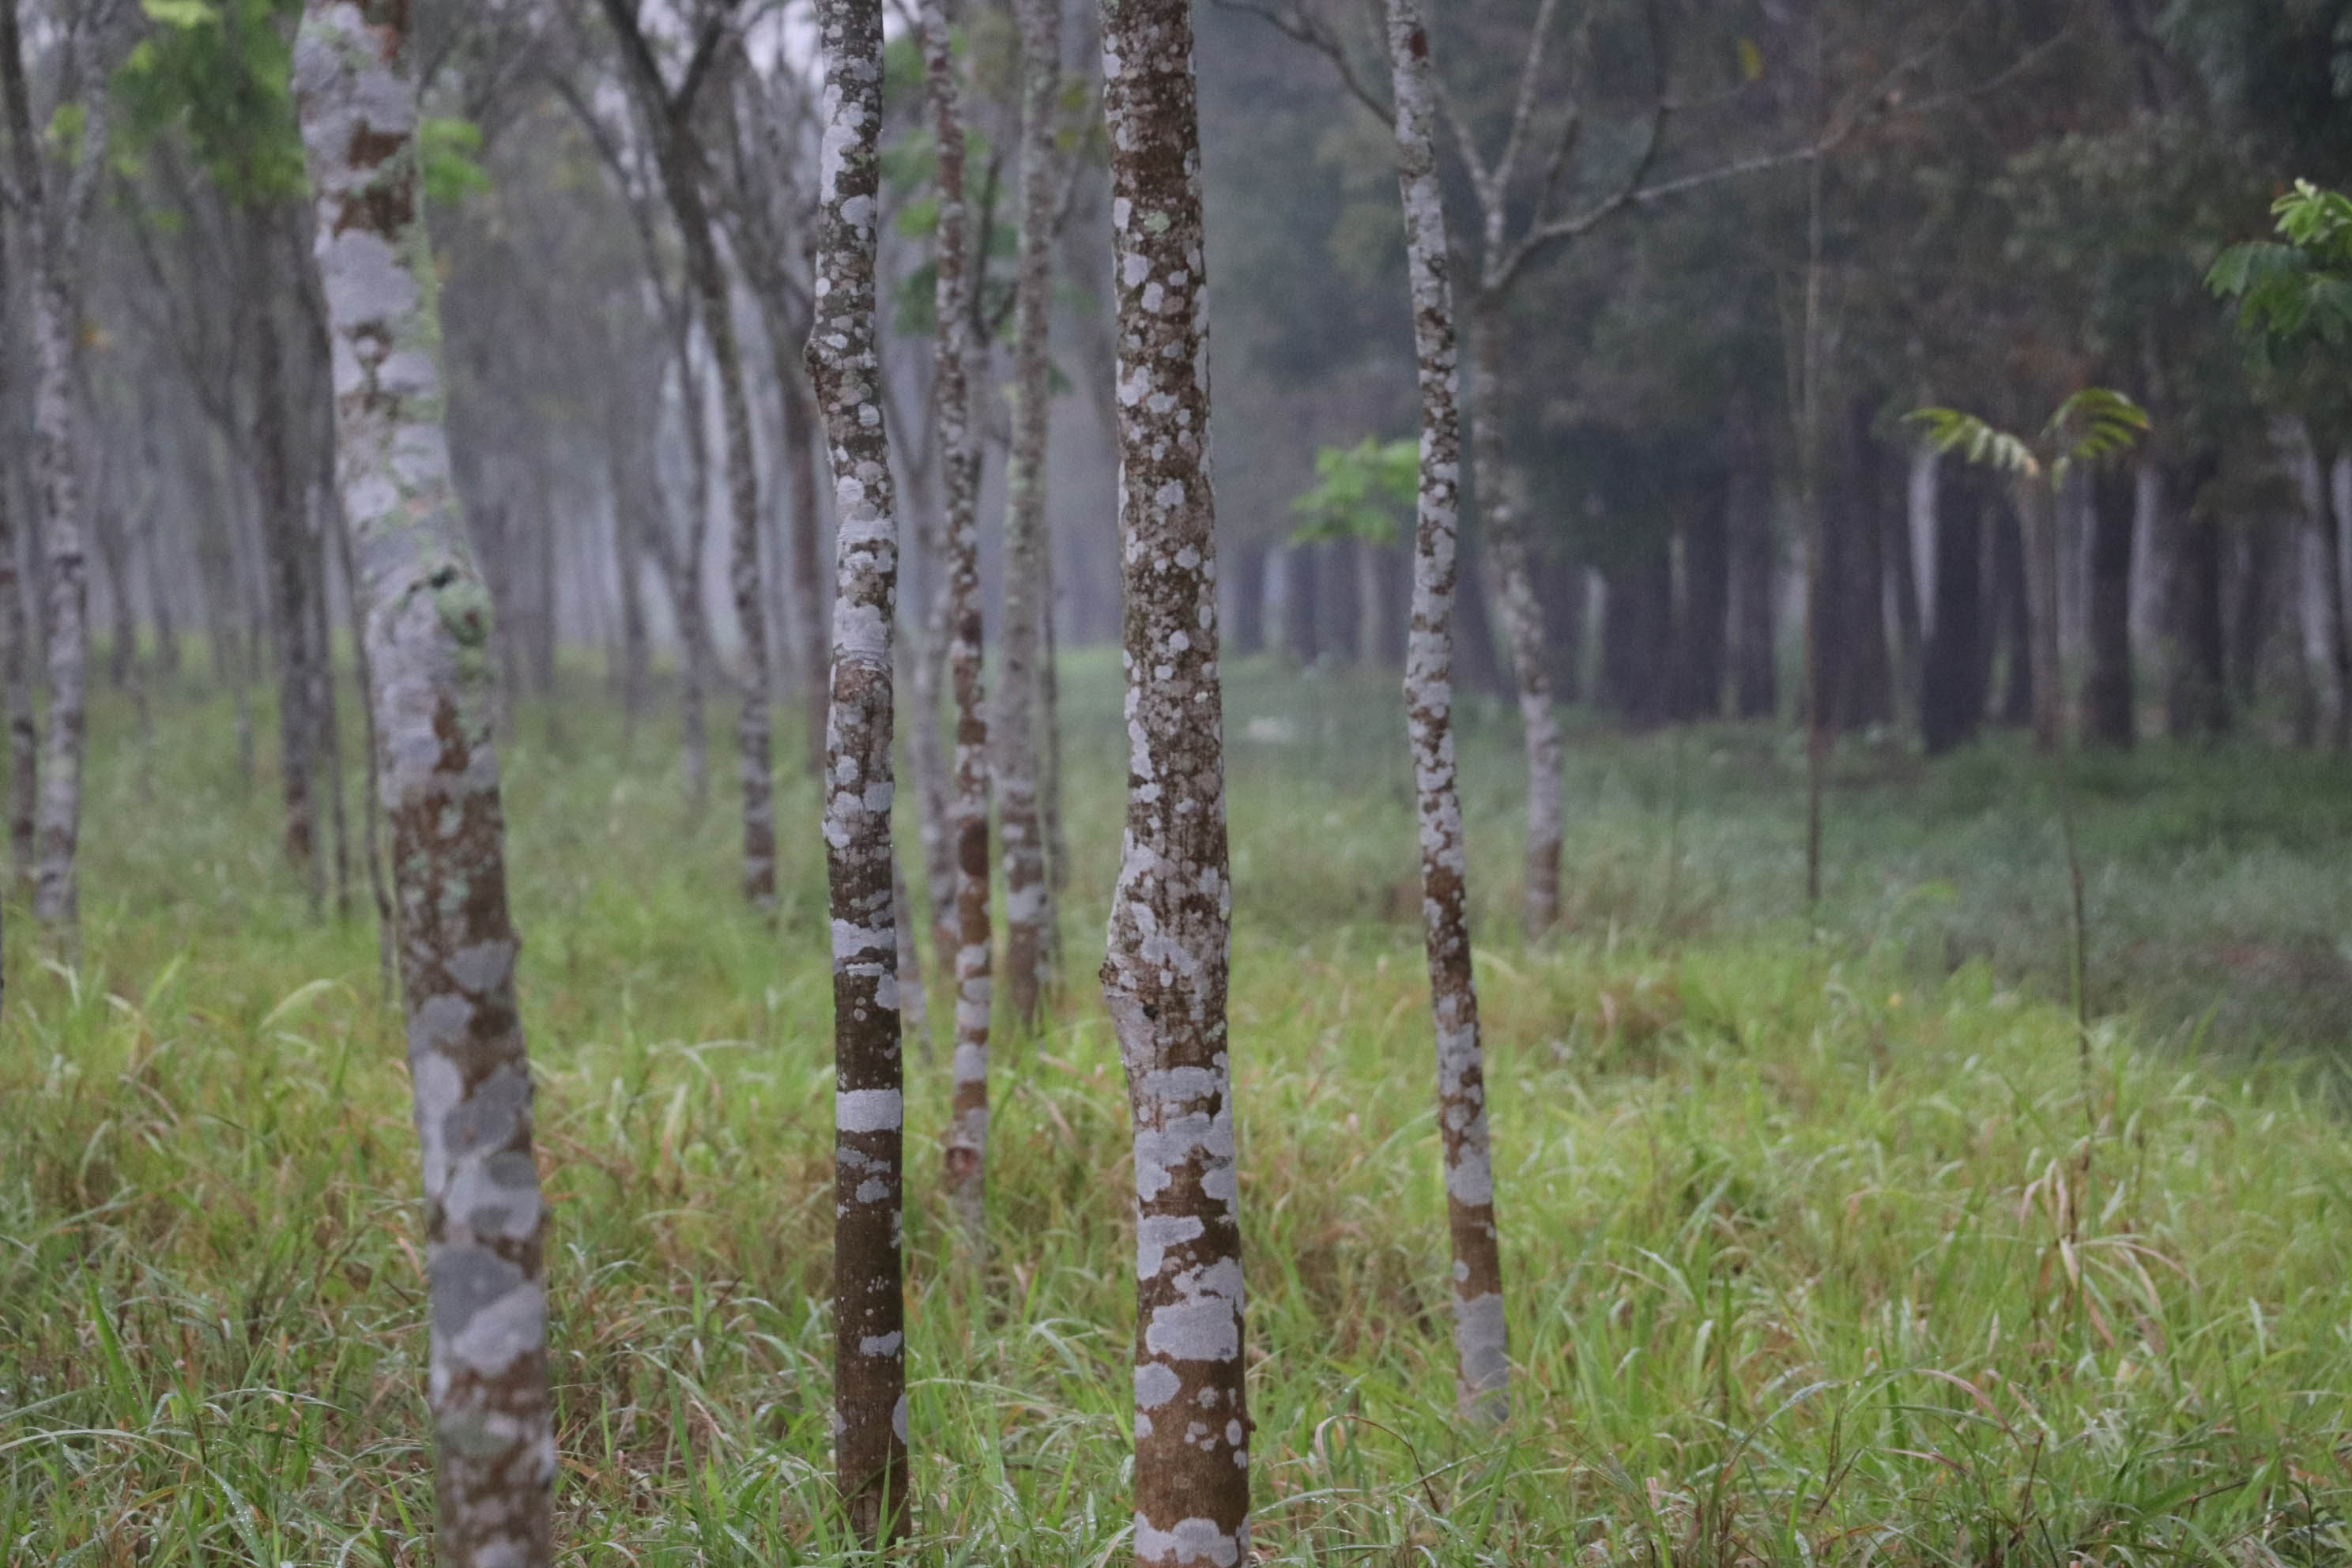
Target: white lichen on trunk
(869,1344)
(428,636)
(1482,1352)
(1164,976)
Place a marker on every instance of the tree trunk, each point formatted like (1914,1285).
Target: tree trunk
(1521,616)
(285,544)
(2107,687)
(802,529)
(1861,673)
(1704,621)
(845,364)
(2197,699)
(1638,673)
(1481,1341)
(967,1140)
(1169,944)
(1249,600)
(427,627)
(1953,664)
(1371,605)
(58,218)
(16,678)
(1755,642)
(2037,511)
(1903,572)
(1028,895)
(2014,620)
(1560,588)
(2255,611)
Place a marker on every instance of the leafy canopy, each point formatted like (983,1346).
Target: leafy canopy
(2297,289)
(1360,492)
(2088,427)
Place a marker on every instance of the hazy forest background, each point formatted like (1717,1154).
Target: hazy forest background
(1909,899)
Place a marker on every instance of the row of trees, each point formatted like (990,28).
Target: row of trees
(1709,261)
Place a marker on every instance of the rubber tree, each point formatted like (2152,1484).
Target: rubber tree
(678,153)
(427,626)
(1028,893)
(967,1140)
(1481,1345)
(56,203)
(1164,975)
(869,1105)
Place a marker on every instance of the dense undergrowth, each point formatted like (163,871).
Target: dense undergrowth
(1824,1244)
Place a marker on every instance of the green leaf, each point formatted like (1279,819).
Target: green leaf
(1751,60)
(180,13)
(448,154)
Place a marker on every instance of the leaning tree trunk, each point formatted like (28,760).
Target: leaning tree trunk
(1481,1346)
(869,1398)
(1028,895)
(1164,976)
(427,619)
(1521,615)
(967,1138)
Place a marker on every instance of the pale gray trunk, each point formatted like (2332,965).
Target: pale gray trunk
(1028,893)
(869,1398)
(1521,615)
(967,1140)
(1164,975)
(427,628)
(1482,1348)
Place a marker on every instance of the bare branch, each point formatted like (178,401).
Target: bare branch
(1297,25)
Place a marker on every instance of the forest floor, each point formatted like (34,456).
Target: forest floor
(1826,1241)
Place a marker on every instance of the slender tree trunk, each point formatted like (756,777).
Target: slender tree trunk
(628,552)
(686,589)
(110,531)
(2038,524)
(1371,606)
(58,215)
(845,363)
(1755,644)
(1169,941)
(2108,695)
(1952,665)
(1521,615)
(1249,599)
(328,714)
(1560,586)
(1903,573)
(1702,628)
(754,744)
(15,667)
(2012,616)
(1481,1344)
(801,533)
(387,918)
(2255,610)
(427,626)
(1028,891)
(967,1138)
(2197,701)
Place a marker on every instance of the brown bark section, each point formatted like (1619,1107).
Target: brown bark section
(1482,1350)
(869,1398)
(1165,973)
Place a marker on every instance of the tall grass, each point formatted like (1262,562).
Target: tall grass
(1819,1249)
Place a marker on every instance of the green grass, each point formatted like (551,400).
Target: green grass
(1813,1254)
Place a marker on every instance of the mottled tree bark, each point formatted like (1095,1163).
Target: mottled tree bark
(2108,695)
(428,636)
(967,1137)
(1520,615)
(1165,973)
(1482,1350)
(58,213)
(1028,894)
(869,1398)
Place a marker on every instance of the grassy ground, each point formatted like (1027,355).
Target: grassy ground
(1824,1246)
